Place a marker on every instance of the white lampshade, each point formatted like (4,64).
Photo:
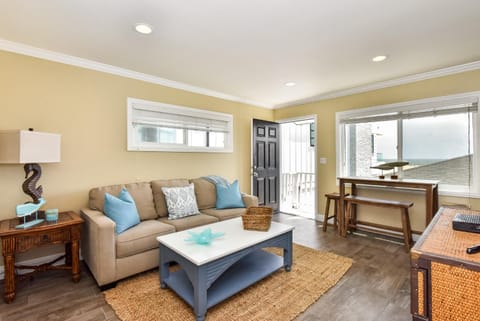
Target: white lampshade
(24,146)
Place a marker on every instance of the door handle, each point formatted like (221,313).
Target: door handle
(255,174)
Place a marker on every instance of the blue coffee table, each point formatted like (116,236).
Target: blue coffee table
(212,273)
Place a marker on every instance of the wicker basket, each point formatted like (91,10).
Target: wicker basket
(257,218)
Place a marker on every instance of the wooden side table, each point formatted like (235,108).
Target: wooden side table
(66,230)
(445,280)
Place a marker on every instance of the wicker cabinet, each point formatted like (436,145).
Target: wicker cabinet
(445,280)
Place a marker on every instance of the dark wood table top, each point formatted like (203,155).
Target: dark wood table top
(7,227)
(407,182)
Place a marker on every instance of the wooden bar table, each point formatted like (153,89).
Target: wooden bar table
(429,186)
(65,230)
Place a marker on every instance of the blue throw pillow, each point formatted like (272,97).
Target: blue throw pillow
(121,210)
(229,196)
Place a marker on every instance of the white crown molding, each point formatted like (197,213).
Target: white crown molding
(23,49)
(27,50)
(385,84)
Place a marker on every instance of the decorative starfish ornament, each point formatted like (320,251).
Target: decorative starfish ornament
(205,237)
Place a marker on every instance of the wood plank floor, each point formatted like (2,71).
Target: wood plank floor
(376,288)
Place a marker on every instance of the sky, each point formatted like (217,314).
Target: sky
(437,137)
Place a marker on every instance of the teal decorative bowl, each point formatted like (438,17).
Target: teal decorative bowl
(204,238)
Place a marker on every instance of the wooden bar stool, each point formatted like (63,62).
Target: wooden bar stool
(336,198)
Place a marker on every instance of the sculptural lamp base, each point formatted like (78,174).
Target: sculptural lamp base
(33,172)
(32,175)
(29,224)
(28,209)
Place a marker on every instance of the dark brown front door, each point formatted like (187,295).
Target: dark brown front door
(266,166)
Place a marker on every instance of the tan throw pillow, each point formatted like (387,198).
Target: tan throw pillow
(181,201)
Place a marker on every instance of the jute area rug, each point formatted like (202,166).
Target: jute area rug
(279,297)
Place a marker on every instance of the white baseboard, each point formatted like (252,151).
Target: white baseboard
(35,261)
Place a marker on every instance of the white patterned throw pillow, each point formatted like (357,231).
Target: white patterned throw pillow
(181,201)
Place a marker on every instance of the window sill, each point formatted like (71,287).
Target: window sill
(180,149)
(458,194)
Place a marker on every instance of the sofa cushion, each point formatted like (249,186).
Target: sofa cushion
(224,214)
(190,221)
(205,193)
(96,196)
(159,197)
(121,210)
(141,238)
(141,194)
(143,197)
(181,201)
(249,200)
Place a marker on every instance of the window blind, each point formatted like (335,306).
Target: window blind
(146,117)
(463,105)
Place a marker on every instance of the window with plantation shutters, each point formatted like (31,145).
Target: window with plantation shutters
(153,126)
(438,137)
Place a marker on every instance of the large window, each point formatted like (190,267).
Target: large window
(436,136)
(155,126)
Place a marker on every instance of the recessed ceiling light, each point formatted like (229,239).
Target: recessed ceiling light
(143,28)
(290,84)
(379,58)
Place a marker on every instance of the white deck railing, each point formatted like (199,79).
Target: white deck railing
(298,188)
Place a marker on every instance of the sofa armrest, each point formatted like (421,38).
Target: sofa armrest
(249,200)
(98,245)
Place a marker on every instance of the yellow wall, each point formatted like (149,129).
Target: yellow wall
(325,111)
(88,109)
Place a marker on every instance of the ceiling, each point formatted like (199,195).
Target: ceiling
(248,48)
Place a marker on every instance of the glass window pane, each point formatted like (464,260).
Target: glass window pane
(147,134)
(439,148)
(154,126)
(369,144)
(170,136)
(216,139)
(197,138)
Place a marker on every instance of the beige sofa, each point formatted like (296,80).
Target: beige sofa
(111,257)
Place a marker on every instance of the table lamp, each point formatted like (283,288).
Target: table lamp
(30,148)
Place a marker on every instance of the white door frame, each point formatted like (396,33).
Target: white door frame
(299,118)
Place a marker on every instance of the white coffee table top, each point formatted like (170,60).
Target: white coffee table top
(235,239)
